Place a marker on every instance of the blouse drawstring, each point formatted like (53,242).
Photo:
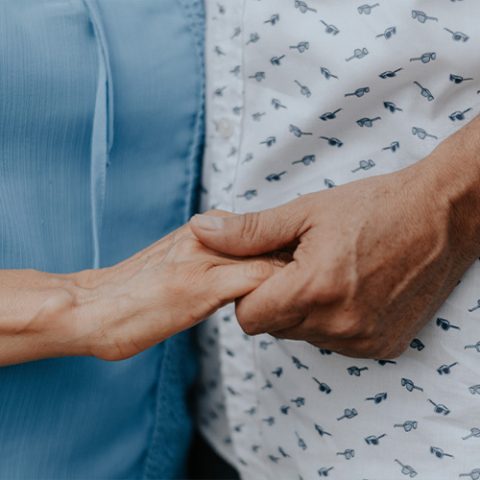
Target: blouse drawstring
(102,132)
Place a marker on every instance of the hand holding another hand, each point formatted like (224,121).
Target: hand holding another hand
(162,290)
(372,260)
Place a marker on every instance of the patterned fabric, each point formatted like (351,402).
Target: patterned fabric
(303,96)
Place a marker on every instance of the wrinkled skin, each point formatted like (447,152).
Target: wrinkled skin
(371,260)
(162,290)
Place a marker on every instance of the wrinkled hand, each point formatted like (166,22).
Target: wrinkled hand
(372,262)
(162,290)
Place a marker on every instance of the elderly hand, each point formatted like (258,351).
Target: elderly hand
(164,289)
(372,260)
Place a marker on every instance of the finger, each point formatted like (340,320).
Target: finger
(252,233)
(359,347)
(228,282)
(320,342)
(348,348)
(298,332)
(275,305)
(165,243)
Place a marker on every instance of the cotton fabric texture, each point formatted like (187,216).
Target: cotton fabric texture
(303,96)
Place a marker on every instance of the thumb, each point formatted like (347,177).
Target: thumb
(252,233)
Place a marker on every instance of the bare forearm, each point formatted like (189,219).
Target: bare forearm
(37,316)
(453,174)
(116,312)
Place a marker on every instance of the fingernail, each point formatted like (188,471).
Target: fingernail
(207,222)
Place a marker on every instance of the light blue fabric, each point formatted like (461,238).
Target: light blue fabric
(100,134)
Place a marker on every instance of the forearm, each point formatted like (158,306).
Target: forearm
(452,172)
(116,312)
(38,314)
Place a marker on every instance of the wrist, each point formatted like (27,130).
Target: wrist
(60,325)
(36,313)
(104,307)
(451,179)
(92,310)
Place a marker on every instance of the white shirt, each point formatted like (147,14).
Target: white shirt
(303,97)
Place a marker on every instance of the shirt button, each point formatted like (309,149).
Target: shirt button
(224,128)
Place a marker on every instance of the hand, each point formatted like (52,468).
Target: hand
(164,289)
(372,260)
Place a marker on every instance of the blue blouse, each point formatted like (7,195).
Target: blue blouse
(100,129)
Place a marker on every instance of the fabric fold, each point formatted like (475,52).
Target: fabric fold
(102,130)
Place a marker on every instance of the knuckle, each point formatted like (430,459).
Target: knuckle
(328,289)
(249,226)
(346,326)
(318,288)
(370,330)
(186,246)
(247,319)
(250,327)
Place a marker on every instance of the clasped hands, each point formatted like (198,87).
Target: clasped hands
(358,269)
(371,261)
